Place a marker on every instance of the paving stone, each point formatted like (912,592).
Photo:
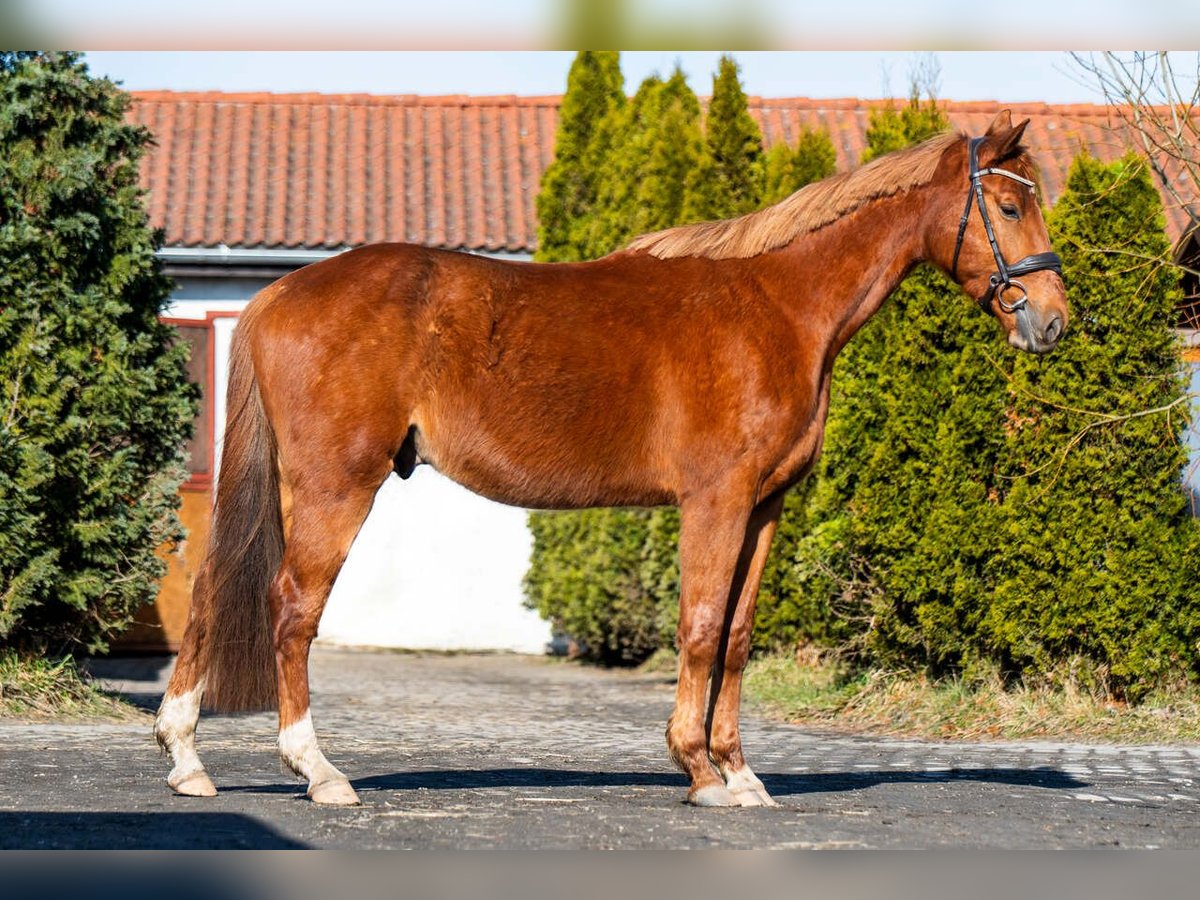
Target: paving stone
(453,751)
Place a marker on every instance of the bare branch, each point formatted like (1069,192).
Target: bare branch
(1160,107)
(1099,419)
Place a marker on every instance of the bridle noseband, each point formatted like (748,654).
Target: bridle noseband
(1005,275)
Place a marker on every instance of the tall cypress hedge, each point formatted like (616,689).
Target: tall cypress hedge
(96,403)
(655,145)
(787,168)
(610,577)
(591,571)
(1099,556)
(980,510)
(595,89)
(976,510)
(810,588)
(729,179)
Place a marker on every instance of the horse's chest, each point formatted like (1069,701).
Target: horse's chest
(798,457)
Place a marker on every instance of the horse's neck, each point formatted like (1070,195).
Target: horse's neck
(846,270)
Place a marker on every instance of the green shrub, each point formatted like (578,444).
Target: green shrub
(595,89)
(593,573)
(992,509)
(1099,555)
(96,403)
(729,179)
(788,168)
(610,578)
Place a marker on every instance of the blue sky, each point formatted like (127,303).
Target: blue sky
(806,24)
(965,75)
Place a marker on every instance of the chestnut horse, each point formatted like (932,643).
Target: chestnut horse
(690,368)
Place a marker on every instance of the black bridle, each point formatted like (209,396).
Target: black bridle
(1005,275)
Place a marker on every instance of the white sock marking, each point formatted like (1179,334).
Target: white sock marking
(299,749)
(743,779)
(175,728)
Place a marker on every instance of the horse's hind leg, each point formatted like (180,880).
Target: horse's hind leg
(323,525)
(175,724)
(725,740)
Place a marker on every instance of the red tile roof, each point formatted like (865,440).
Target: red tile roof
(334,170)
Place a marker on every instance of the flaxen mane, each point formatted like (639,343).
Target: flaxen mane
(810,208)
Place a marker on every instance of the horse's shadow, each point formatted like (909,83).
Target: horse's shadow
(778,784)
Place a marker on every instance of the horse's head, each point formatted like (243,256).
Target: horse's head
(990,236)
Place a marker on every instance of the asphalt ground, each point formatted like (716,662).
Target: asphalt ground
(506,751)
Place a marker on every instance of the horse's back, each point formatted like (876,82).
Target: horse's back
(534,384)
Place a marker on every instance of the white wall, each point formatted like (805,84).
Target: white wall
(434,567)
(1191,474)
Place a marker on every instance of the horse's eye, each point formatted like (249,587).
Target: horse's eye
(1009,211)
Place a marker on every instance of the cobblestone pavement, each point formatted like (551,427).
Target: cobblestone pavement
(520,752)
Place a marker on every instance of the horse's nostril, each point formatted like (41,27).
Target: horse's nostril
(1053,331)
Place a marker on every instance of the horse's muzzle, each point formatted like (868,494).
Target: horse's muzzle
(1035,333)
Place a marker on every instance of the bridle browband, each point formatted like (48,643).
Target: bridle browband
(1005,275)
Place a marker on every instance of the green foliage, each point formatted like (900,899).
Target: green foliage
(595,91)
(1114,577)
(601,575)
(96,402)
(729,178)
(10,59)
(610,578)
(583,576)
(977,508)
(787,168)
(896,394)
(816,587)
(900,507)
(655,145)
(891,129)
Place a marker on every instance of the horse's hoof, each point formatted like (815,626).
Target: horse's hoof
(754,797)
(196,784)
(747,789)
(712,795)
(333,793)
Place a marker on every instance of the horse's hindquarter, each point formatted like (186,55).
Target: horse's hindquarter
(623,382)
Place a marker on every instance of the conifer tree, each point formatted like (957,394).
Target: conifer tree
(891,129)
(729,179)
(97,405)
(787,168)
(656,145)
(890,386)
(1100,556)
(598,574)
(595,91)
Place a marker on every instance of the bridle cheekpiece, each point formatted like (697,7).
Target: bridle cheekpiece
(1005,276)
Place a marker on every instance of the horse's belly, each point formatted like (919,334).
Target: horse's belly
(539,473)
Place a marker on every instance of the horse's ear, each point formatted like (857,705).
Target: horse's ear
(1000,124)
(1002,142)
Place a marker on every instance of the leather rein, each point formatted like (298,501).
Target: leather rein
(1005,276)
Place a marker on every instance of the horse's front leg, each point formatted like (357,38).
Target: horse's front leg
(712,533)
(724,733)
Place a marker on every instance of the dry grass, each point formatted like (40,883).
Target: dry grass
(824,694)
(40,689)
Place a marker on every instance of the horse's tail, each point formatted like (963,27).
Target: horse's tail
(245,549)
